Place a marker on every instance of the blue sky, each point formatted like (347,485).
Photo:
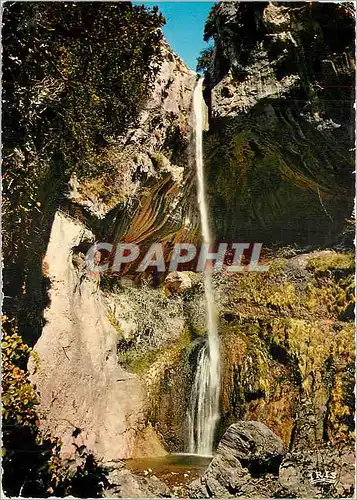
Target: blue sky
(184,27)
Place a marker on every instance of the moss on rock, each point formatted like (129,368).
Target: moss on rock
(285,362)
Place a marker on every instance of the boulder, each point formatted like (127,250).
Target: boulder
(246,464)
(254,445)
(178,282)
(125,484)
(223,476)
(319,473)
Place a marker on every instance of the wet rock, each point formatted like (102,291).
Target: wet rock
(178,282)
(319,473)
(125,484)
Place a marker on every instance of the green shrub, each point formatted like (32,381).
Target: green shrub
(75,75)
(204,60)
(210,29)
(331,261)
(32,465)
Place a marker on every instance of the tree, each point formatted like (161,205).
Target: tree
(210,29)
(75,75)
(204,60)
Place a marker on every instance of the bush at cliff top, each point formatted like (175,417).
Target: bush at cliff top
(204,59)
(75,74)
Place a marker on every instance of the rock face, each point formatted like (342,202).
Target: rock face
(287,353)
(159,164)
(149,193)
(279,151)
(82,387)
(319,473)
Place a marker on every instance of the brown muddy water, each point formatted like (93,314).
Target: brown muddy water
(176,470)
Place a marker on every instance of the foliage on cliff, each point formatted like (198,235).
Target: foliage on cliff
(288,343)
(204,59)
(75,75)
(210,28)
(32,465)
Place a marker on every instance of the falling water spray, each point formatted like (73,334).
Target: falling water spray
(203,412)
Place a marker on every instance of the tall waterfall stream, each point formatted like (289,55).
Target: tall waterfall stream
(203,411)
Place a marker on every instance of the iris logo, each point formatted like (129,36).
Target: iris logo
(322,477)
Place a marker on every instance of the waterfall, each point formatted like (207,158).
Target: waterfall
(203,411)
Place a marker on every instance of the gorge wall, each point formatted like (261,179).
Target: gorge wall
(80,381)
(117,355)
(280,88)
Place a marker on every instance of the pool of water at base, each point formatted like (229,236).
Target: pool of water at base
(175,470)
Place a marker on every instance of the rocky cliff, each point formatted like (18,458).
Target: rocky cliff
(81,383)
(280,150)
(116,355)
(83,389)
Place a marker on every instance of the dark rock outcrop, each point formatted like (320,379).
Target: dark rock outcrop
(280,89)
(253,444)
(226,478)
